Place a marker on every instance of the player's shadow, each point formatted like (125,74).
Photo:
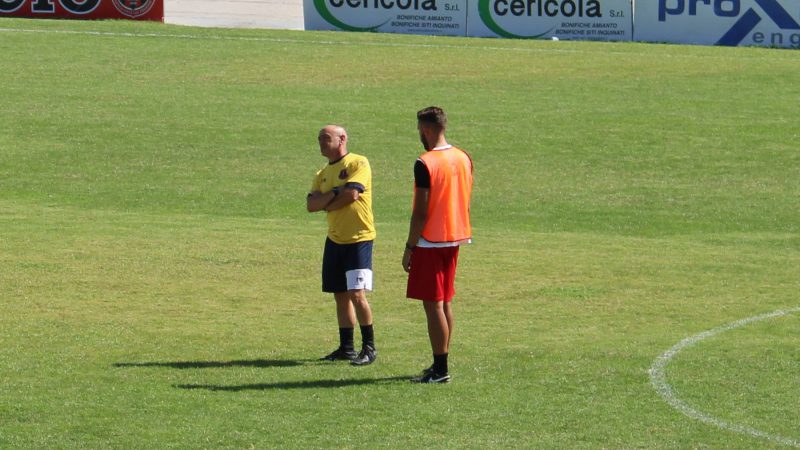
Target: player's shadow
(260,363)
(291,384)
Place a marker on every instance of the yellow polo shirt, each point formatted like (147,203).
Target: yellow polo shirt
(353,223)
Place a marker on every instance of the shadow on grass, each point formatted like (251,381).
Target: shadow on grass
(264,363)
(291,384)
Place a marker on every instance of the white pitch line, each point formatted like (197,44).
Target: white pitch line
(659,380)
(389,44)
(287,40)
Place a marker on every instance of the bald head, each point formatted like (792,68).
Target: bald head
(335,130)
(332,142)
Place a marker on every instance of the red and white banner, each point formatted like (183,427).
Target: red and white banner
(84,9)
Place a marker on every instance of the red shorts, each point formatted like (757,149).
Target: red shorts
(433,274)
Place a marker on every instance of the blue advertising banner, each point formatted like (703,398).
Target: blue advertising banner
(767,23)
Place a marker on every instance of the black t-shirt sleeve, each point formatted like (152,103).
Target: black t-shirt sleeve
(357,186)
(422,178)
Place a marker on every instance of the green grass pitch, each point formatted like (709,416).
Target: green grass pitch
(159,281)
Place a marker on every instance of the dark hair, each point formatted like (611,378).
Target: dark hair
(433,115)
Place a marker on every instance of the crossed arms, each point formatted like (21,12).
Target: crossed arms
(334,199)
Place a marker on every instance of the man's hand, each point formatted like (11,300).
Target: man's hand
(317,201)
(407,259)
(342,197)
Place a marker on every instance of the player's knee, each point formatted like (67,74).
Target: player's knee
(359,297)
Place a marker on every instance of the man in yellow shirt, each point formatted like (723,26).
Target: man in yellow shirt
(343,188)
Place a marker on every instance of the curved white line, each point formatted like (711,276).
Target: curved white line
(658,379)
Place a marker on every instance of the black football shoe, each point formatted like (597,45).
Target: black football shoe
(424,372)
(367,356)
(340,354)
(431,377)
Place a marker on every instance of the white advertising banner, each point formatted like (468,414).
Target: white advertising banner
(433,17)
(769,23)
(589,20)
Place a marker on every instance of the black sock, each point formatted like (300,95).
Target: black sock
(440,364)
(346,338)
(367,336)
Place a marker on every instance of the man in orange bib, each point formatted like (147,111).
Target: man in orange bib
(440,223)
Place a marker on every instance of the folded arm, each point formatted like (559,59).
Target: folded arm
(335,199)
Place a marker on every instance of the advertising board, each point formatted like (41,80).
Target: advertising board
(84,9)
(432,17)
(769,23)
(597,20)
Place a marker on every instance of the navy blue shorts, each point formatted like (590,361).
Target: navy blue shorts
(347,267)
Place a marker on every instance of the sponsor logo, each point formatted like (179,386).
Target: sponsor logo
(129,8)
(324,7)
(343,174)
(134,8)
(9,6)
(48,6)
(489,9)
(746,23)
